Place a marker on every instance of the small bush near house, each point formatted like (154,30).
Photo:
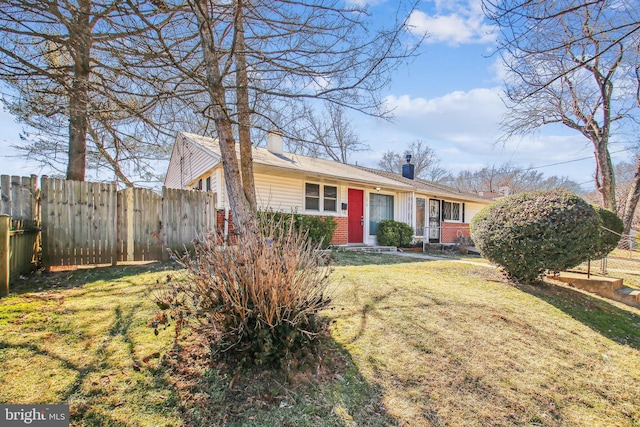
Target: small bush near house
(610,233)
(256,303)
(529,232)
(319,230)
(394,233)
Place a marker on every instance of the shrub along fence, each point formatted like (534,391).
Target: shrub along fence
(82,223)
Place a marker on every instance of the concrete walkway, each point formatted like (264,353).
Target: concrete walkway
(422,255)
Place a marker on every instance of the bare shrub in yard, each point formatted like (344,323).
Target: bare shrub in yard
(256,303)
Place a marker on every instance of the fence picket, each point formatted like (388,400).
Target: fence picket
(5,195)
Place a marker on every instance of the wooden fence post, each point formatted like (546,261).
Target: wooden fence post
(5,266)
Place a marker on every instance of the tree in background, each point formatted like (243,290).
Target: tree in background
(627,177)
(72,72)
(424,158)
(253,61)
(573,63)
(509,179)
(326,134)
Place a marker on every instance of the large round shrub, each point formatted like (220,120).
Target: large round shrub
(394,233)
(610,233)
(529,232)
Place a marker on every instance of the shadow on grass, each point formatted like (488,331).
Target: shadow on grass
(622,326)
(324,390)
(39,281)
(83,349)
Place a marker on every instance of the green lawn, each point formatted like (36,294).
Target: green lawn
(429,343)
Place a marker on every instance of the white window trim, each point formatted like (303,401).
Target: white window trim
(459,212)
(321,209)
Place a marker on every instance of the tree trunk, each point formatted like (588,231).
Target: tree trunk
(605,175)
(632,201)
(244,217)
(79,95)
(244,112)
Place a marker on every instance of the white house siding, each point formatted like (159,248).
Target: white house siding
(279,193)
(471,209)
(188,162)
(172,178)
(217,185)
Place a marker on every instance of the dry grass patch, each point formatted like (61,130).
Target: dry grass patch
(451,344)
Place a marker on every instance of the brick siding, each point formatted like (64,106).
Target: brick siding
(220,227)
(341,234)
(452,230)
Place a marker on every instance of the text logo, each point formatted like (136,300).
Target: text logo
(34,415)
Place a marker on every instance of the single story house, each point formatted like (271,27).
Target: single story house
(357,197)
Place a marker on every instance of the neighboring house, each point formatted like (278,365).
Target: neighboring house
(358,198)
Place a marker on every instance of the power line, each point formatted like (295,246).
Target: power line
(574,160)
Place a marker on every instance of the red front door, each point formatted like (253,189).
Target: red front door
(356,216)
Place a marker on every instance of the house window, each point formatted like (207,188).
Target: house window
(421,207)
(320,197)
(312,197)
(450,211)
(208,183)
(330,198)
(380,208)
(198,186)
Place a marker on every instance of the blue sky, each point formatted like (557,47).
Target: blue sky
(449,97)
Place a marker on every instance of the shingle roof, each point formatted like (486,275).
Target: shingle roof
(331,169)
(304,164)
(425,186)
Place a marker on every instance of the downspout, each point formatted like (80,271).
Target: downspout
(226,224)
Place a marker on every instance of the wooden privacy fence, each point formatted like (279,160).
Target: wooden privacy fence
(94,223)
(146,219)
(78,222)
(19,227)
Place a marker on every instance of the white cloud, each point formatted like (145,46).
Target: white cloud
(462,117)
(453,22)
(463,128)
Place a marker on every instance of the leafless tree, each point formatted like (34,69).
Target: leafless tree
(68,73)
(424,158)
(326,134)
(256,58)
(509,179)
(626,180)
(572,62)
